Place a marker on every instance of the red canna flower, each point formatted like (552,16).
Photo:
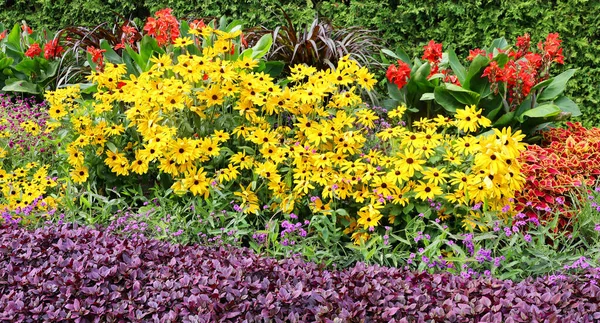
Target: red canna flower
(97,56)
(165,28)
(433,52)
(52,49)
(27,29)
(3,35)
(33,50)
(398,75)
(475,52)
(551,48)
(494,73)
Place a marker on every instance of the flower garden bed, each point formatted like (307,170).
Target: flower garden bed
(218,165)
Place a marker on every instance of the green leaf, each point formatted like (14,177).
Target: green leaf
(505,120)
(420,76)
(567,105)
(21,86)
(28,66)
(457,67)
(274,68)
(14,37)
(394,92)
(262,46)
(475,69)
(462,95)
(6,62)
(446,100)
(557,86)
(498,43)
(111,147)
(110,54)
(400,54)
(427,96)
(542,84)
(541,111)
(501,59)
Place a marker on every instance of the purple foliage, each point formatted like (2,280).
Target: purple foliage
(64,273)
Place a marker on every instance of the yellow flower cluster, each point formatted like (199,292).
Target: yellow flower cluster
(23,185)
(298,143)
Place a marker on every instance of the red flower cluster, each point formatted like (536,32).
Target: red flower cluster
(97,56)
(433,54)
(568,159)
(524,68)
(165,27)
(52,49)
(398,75)
(33,50)
(551,48)
(128,37)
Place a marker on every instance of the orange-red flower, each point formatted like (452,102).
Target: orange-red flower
(398,75)
(165,27)
(52,49)
(33,50)
(97,56)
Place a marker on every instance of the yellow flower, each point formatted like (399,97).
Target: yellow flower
(435,176)
(182,42)
(79,174)
(409,161)
(369,216)
(427,191)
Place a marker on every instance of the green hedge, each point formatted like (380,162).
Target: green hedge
(403,23)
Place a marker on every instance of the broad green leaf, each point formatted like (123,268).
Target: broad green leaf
(111,147)
(505,120)
(462,95)
(21,86)
(110,54)
(274,68)
(475,69)
(14,37)
(446,100)
(501,59)
(567,105)
(498,43)
(557,86)
(427,96)
(542,111)
(28,66)
(401,55)
(457,67)
(394,92)
(5,62)
(263,46)
(542,84)
(420,76)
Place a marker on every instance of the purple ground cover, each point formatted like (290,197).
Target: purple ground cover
(62,273)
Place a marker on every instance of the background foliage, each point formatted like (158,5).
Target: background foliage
(405,23)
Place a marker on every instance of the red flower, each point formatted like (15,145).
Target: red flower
(96,55)
(494,73)
(475,52)
(33,50)
(52,49)
(165,28)
(26,29)
(433,52)
(551,48)
(398,75)
(3,35)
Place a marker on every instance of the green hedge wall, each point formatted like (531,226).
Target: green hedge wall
(408,24)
